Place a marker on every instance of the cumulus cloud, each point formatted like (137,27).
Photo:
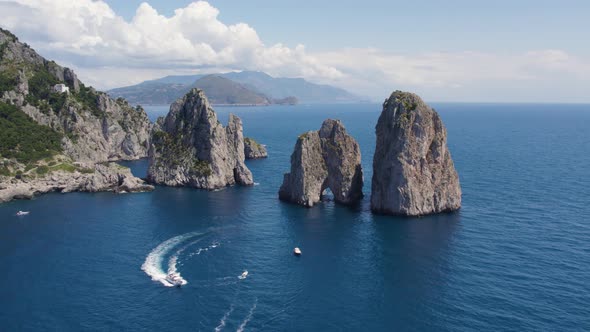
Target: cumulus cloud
(192,38)
(108,51)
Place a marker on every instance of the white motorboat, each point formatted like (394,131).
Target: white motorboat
(175,279)
(297,251)
(243,275)
(22,213)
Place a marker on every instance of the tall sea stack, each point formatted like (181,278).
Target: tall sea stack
(191,148)
(328,158)
(413,173)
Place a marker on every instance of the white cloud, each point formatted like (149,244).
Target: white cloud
(108,51)
(192,38)
(464,76)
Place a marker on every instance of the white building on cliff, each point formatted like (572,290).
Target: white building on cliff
(61,88)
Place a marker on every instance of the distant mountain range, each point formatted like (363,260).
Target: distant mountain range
(235,88)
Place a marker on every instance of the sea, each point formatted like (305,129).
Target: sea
(516,257)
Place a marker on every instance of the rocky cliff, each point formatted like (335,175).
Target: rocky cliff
(87,126)
(95,127)
(191,148)
(253,149)
(324,159)
(413,173)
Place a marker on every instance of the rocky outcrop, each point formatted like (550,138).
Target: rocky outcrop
(328,158)
(191,148)
(93,178)
(253,149)
(94,128)
(413,173)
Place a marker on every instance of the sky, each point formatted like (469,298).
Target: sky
(455,50)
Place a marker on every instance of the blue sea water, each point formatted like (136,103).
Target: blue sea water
(516,257)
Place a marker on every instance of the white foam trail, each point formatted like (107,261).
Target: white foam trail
(153,262)
(172,262)
(248,318)
(223,320)
(200,250)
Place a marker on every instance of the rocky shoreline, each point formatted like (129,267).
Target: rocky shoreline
(102,177)
(88,128)
(66,141)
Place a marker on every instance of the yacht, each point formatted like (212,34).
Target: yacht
(243,275)
(22,213)
(297,251)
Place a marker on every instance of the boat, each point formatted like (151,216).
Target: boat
(243,275)
(175,279)
(22,213)
(297,251)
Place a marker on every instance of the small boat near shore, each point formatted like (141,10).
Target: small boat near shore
(297,251)
(22,213)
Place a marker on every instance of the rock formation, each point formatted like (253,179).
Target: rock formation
(97,127)
(253,149)
(328,158)
(99,177)
(191,148)
(413,173)
(94,128)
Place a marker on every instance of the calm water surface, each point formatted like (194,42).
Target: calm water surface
(515,258)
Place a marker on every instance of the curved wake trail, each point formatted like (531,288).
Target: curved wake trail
(153,262)
(223,320)
(198,252)
(248,318)
(172,269)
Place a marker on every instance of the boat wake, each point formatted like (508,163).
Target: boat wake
(223,320)
(153,265)
(248,318)
(205,249)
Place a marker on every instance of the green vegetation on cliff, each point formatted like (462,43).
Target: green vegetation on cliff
(41,94)
(252,142)
(88,97)
(7,82)
(174,154)
(23,139)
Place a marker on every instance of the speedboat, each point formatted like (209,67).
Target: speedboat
(22,213)
(243,275)
(175,279)
(297,251)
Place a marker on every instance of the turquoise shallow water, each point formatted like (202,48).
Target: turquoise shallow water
(515,258)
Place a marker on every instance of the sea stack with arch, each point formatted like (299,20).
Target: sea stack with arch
(413,173)
(325,159)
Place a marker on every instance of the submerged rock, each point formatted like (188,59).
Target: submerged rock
(413,173)
(191,148)
(324,159)
(253,149)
